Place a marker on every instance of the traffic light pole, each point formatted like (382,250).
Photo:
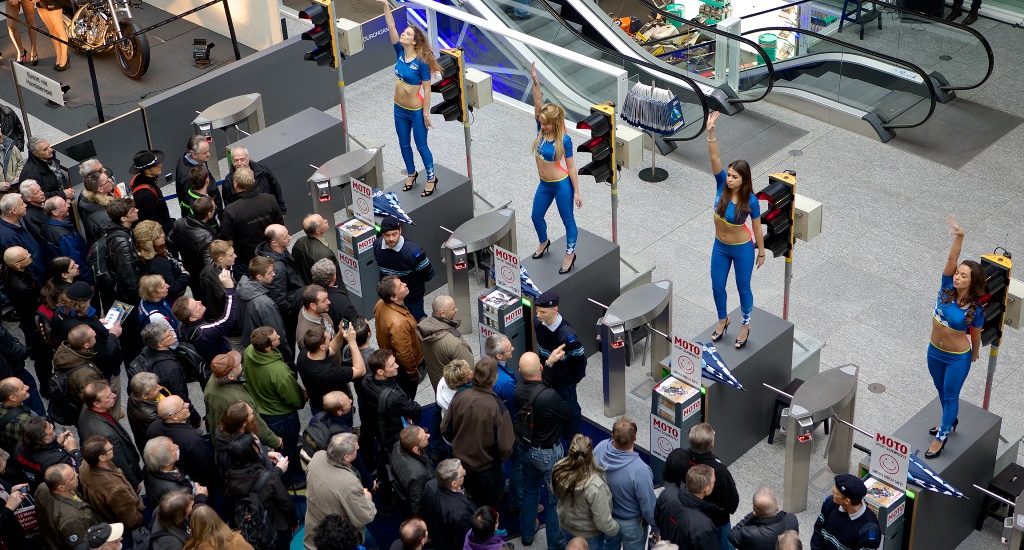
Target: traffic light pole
(332,11)
(993,358)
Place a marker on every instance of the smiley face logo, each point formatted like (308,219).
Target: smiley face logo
(889,464)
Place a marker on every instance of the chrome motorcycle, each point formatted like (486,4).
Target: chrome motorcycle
(97,24)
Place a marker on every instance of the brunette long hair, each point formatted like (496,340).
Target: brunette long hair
(746,188)
(423,51)
(975,291)
(207,528)
(571,473)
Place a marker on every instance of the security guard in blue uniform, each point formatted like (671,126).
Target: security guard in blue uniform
(552,331)
(845,521)
(405,260)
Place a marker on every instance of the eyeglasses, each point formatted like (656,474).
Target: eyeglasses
(183,407)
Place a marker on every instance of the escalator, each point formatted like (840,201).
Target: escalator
(873,85)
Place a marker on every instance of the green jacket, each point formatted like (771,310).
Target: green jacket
(221,393)
(271,383)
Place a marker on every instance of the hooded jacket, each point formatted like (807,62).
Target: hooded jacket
(442,343)
(211,337)
(287,281)
(271,383)
(754,533)
(685,519)
(108,348)
(67,359)
(588,513)
(630,480)
(219,394)
(257,310)
(495,542)
(92,207)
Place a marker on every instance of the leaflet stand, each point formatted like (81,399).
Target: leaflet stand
(496,227)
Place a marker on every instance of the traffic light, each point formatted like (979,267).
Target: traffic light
(452,86)
(322,33)
(601,144)
(778,219)
(997,281)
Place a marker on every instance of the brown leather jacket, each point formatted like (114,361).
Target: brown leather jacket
(396,331)
(111,496)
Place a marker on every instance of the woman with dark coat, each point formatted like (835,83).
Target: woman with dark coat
(154,258)
(41,447)
(242,458)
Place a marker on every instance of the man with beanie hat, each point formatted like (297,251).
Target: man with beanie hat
(227,386)
(553,331)
(147,166)
(845,520)
(405,260)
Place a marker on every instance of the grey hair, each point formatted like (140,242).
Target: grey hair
(34,141)
(52,204)
(89,166)
(494,344)
(9,202)
(765,503)
(153,333)
(341,445)
(323,272)
(243,150)
(789,540)
(448,471)
(143,383)
(702,437)
(441,302)
(25,188)
(157,453)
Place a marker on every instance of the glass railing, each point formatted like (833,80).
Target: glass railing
(958,56)
(899,93)
(568,76)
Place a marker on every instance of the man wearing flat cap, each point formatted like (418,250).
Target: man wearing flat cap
(147,166)
(406,260)
(561,351)
(845,521)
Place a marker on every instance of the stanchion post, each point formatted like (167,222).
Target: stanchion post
(95,87)
(993,358)
(231,30)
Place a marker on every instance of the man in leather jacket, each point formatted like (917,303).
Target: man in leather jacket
(43,166)
(265,180)
(192,238)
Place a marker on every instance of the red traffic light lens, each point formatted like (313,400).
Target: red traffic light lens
(315,13)
(597,123)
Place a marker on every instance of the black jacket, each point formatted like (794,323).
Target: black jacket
(149,199)
(308,251)
(32,464)
(126,456)
(211,337)
(244,222)
(141,414)
(159,484)
(192,240)
(724,495)
(35,220)
(108,348)
(39,170)
(447,514)
(341,306)
(287,285)
(754,533)
(196,458)
(172,272)
(411,474)
(171,373)
(684,519)
(552,415)
(14,535)
(265,183)
(22,289)
(123,263)
(167,537)
(241,465)
(10,126)
(94,218)
(182,175)
(834,530)
(398,406)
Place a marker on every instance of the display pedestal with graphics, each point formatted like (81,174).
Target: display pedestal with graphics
(497,227)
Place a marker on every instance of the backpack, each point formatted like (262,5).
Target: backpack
(251,516)
(142,363)
(196,368)
(523,421)
(64,408)
(315,438)
(98,258)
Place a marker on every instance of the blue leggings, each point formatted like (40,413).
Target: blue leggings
(561,193)
(410,121)
(722,257)
(949,371)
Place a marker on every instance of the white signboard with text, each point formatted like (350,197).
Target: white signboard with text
(686,361)
(506,271)
(38,84)
(362,201)
(890,460)
(350,274)
(664,437)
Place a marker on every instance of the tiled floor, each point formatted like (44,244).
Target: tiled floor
(865,286)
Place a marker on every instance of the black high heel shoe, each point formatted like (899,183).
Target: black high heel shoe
(930,454)
(426,193)
(537,256)
(934,430)
(740,343)
(410,184)
(64,67)
(562,271)
(22,57)
(716,336)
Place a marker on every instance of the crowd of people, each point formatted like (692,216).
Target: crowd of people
(114,294)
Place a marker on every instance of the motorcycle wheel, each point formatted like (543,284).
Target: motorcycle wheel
(133,55)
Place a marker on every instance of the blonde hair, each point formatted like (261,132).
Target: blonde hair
(457,372)
(207,529)
(148,285)
(554,115)
(220,248)
(146,234)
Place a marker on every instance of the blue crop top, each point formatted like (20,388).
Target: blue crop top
(731,216)
(950,314)
(414,72)
(546,149)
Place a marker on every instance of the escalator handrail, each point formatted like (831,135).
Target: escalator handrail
(870,53)
(714,30)
(888,6)
(614,53)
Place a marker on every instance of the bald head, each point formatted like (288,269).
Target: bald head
(337,403)
(314,225)
(529,366)
(277,237)
(15,254)
(170,408)
(443,307)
